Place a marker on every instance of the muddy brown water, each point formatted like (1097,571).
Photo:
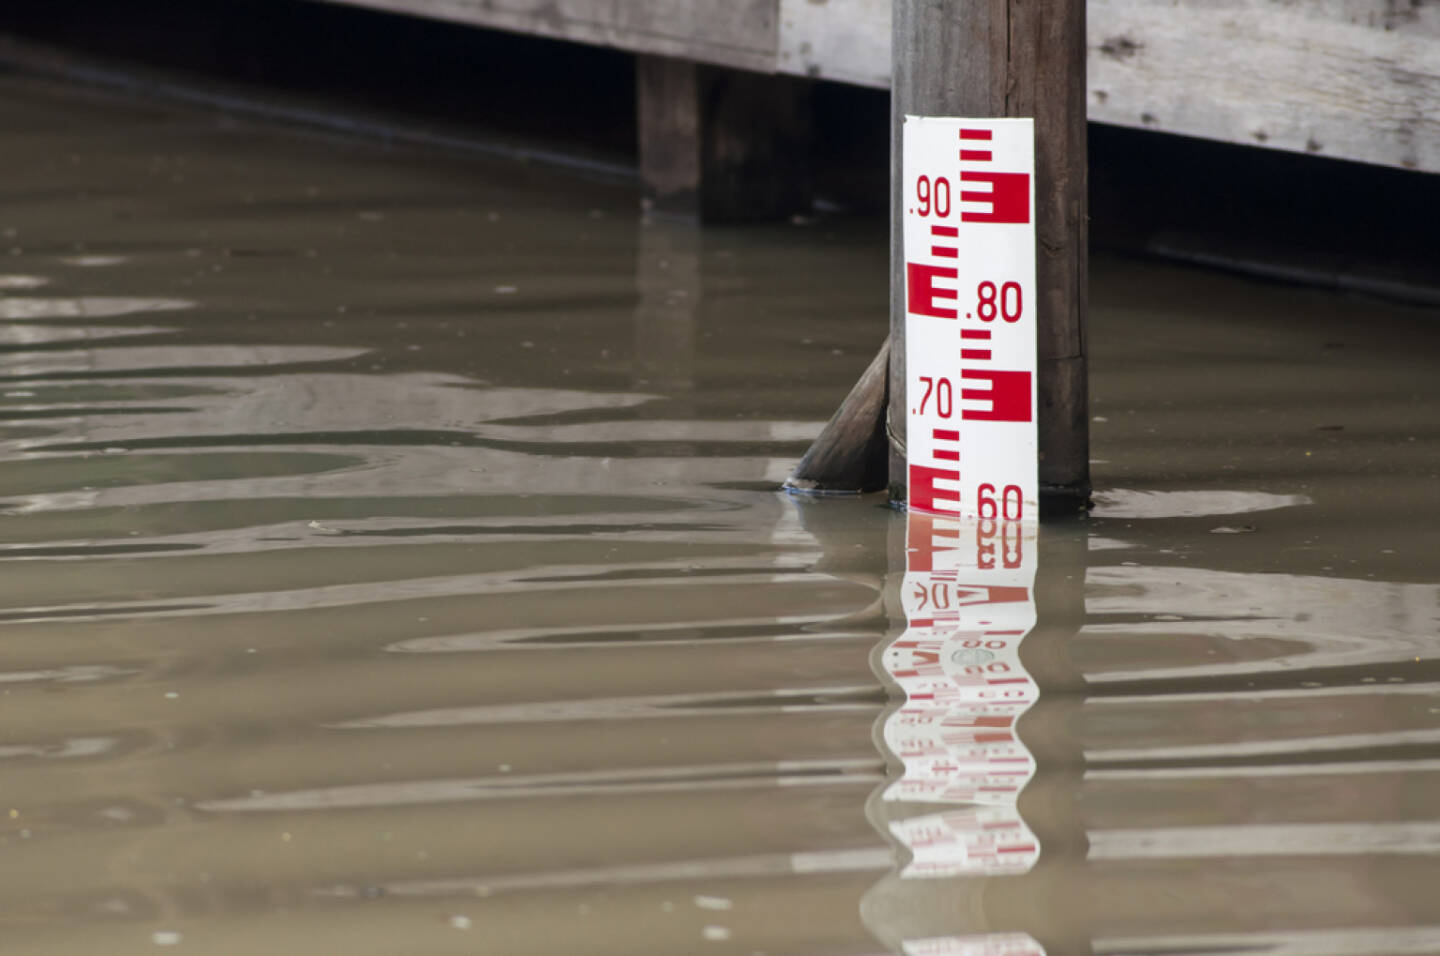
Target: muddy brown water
(392,562)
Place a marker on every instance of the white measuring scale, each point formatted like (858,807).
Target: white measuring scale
(968,200)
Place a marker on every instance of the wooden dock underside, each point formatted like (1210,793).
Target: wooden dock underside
(1348,79)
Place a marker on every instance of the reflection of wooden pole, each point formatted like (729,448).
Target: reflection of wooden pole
(669,284)
(898,908)
(1009,58)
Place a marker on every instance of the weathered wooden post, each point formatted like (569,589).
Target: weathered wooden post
(997,58)
(722,145)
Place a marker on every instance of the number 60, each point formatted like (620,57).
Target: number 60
(1011,505)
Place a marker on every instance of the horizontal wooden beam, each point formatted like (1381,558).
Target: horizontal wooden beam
(738,33)
(1349,79)
(1357,80)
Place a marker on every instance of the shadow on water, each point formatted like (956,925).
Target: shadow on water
(392,560)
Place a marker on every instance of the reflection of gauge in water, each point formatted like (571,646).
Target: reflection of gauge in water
(970,656)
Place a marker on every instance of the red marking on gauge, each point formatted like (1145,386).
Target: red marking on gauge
(1008,197)
(921,290)
(1008,394)
(927,495)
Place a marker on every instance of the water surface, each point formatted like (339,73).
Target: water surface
(392,561)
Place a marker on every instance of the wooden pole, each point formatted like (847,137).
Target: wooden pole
(722,145)
(987,58)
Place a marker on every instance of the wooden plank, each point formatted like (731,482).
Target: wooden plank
(844,40)
(1350,79)
(1357,80)
(737,33)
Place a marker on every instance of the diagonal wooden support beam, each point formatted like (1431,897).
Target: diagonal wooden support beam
(849,454)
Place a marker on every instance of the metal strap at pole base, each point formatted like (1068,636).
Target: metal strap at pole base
(1064,501)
